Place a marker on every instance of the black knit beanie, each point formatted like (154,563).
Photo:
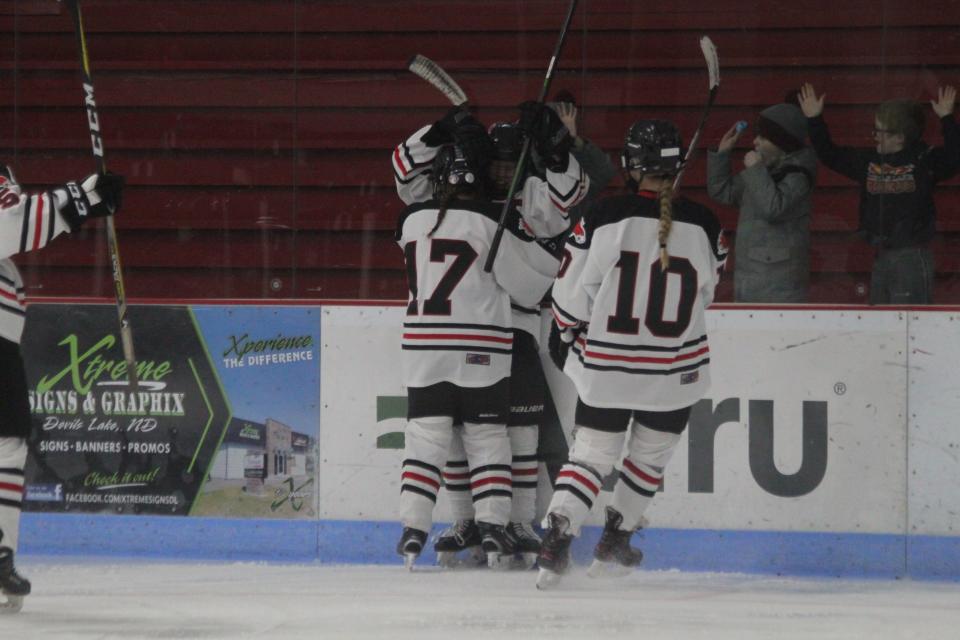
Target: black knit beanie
(784,125)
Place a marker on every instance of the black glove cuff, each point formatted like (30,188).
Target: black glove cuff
(437,136)
(76,211)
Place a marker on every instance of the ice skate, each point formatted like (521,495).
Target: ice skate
(410,545)
(13,586)
(554,555)
(613,555)
(462,536)
(526,544)
(497,546)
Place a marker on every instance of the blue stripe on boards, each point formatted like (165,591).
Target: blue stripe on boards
(849,555)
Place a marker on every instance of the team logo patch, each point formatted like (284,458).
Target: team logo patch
(689,377)
(479,358)
(579,233)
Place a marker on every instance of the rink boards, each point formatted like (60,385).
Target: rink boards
(826,445)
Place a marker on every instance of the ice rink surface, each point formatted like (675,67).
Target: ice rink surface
(113,598)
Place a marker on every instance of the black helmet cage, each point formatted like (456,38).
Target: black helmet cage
(652,147)
(507,141)
(453,172)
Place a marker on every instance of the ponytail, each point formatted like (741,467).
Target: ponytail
(441,214)
(666,221)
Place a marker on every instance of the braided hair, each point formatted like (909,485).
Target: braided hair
(441,214)
(666,222)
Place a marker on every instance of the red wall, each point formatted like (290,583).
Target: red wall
(256,135)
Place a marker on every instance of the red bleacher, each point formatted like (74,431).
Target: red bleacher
(256,135)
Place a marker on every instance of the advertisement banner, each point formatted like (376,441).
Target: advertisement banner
(803,428)
(100,446)
(225,421)
(268,362)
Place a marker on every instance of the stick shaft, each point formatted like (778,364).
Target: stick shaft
(96,142)
(713,72)
(525,151)
(696,137)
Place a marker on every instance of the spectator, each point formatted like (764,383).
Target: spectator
(595,163)
(896,178)
(773,193)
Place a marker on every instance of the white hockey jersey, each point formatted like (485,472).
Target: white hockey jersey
(27,223)
(645,346)
(543,204)
(458,326)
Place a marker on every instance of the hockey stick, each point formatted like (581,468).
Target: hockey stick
(96,141)
(713,70)
(435,75)
(525,150)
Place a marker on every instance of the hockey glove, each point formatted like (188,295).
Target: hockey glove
(550,136)
(98,195)
(445,129)
(559,343)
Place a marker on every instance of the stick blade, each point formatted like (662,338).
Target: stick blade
(434,74)
(713,62)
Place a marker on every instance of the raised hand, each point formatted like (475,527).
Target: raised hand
(729,139)
(810,104)
(550,136)
(946,99)
(568,115)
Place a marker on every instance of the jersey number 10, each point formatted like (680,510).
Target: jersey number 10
(623,320)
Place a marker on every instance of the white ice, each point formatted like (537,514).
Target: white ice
(77,598)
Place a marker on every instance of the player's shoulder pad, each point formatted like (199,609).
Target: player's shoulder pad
(685,210)
(408,211)
(485,208)
(691,212)
(599,213)
(620,207)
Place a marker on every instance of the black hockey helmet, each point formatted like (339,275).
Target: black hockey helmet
(507,141)
(6,173)
(652,147)
(455,172)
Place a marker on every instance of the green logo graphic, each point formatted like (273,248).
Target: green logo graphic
(389,407)
(97,367)
(294,494)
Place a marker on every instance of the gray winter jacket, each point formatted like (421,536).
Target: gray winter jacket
(597,165)
(772,250)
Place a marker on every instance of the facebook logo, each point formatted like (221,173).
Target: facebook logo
(44,492)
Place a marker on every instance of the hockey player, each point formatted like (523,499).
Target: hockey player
(457,345)
(639,271)
(29,222)
(543,204)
